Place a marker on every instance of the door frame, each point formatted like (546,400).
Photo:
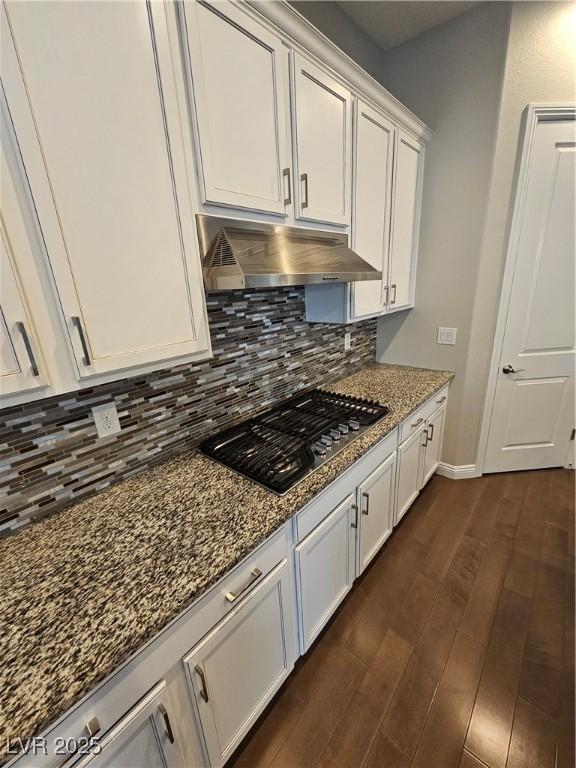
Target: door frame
(534,114)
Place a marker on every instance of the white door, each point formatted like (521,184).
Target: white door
(241,663)
(373,155)
(533,408)
(433,443)
(322,144)
(143,738)
(408,167)
(376,505)
(93,95)
(240,78)
(409,470)
(325,568)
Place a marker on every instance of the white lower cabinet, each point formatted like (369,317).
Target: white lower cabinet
(433,444)
(376,505)
(235,670)
(143,738)
(325,568)
(419,455)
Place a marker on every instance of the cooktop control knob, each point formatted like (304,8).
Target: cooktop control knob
(335,434)
(326,440)
(319,449)
(354,425)
(343,429)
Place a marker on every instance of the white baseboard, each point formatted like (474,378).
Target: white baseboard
(455,472)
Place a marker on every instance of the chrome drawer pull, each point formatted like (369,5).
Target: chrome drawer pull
(441,400)
(304,180)
(354,508)
(86,360)
(255,574)
(417,423)
(204,690)
(367,497)
(29,351)
(286,175)
(167,724)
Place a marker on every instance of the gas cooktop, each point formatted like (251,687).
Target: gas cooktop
(280,447)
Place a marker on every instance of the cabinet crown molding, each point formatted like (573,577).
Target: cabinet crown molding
(290,23)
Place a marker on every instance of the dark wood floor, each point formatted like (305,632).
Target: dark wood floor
(456,647)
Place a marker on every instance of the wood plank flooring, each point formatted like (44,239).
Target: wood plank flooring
(455,648)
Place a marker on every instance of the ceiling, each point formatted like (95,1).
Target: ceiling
(391,23)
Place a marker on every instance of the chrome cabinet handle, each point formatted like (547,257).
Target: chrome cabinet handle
(425,434)
(393,288)
(86,360)
(304,180)
(354,524)
(417,423)
(367,497)
(509,369)
(29,351)
(92,728)
(386,288)
(255,574)
(167,724)
(431,435)
(204,690)
(286,175)
(441,400)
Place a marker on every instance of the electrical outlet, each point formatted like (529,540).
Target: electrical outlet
(106,419)
(347,341)
(447,336)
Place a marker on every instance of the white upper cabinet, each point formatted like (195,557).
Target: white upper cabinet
(408,166)
(322,115)
(240,84)
(373,156)
(94,97)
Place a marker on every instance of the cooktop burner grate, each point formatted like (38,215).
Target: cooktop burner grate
(277,448)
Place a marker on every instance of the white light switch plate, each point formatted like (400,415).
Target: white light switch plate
(447,335)
(106,419)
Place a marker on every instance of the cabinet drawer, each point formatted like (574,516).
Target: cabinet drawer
(419,416)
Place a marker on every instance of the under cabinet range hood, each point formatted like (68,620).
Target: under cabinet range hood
(244,254)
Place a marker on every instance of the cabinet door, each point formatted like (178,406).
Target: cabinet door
(409,470)
(325,568)
(373,154)
(240,77)
(144,738)
(21,367)
(376,504)
(434,436)
(109,176)
(322,144)
(239,666)
(408,165)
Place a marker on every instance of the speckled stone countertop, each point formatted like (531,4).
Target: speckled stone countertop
(81,591)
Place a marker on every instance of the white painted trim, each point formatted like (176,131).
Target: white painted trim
(533,114)
(458,472)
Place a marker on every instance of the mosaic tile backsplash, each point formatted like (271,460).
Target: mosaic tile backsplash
(264,350)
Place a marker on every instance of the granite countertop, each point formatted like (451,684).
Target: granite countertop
(83,590)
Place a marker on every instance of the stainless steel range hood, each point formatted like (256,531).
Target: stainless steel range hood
(242,254)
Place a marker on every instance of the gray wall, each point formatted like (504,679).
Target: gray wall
(540,67)
(451,77)
(341,30)
(471,80)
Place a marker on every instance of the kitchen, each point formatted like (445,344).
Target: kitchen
(286,476)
